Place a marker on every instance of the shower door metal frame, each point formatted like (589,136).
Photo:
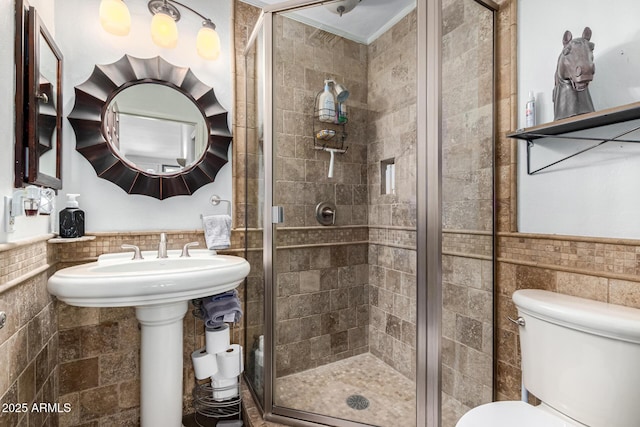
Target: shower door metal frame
(429,215)
(428,231)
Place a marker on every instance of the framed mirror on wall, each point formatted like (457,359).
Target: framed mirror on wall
(150,127)
(38,59)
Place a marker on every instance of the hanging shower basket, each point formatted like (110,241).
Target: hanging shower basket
(328,134)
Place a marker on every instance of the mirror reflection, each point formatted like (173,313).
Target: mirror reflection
(47,109)
(155,129)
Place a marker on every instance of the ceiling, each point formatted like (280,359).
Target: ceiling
(364,24)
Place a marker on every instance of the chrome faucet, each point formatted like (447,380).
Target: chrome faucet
(162,246)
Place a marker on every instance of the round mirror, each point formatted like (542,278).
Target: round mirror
(155,128)
(123,116)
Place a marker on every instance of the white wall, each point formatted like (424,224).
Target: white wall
(108,207)
(84,43)
(595,193)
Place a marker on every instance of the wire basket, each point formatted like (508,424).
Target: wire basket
(213,401)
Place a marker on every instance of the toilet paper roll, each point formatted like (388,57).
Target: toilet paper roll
(224,388)
(204,364)
(217,338)
(230,363)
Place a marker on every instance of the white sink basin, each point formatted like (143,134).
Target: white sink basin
(159,289)
(115,280)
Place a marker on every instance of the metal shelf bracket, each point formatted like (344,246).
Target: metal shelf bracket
(599,142)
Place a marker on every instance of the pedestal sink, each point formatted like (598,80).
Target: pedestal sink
(159,289)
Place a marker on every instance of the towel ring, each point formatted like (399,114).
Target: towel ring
(215,201)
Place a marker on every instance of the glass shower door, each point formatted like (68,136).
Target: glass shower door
(344,258)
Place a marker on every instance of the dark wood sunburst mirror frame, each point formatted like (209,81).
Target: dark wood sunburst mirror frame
(94,96)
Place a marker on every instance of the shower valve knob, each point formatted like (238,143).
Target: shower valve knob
(326,213)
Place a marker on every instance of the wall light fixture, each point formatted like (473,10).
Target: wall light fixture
(115,19)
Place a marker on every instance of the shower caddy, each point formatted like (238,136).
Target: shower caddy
(328,135)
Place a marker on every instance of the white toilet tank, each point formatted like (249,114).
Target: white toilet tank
(581,357)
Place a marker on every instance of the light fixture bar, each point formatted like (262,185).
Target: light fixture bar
(115,19)
(207,41)
(163,6)
(190,9)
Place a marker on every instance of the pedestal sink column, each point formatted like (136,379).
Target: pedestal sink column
(161,364)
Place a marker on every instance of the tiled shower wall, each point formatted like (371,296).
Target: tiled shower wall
(247,124)
(304,57)
(322,276)
(392,217)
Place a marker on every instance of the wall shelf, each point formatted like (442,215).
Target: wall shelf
(71,239)
(565,129)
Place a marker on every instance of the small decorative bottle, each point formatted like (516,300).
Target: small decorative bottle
(530,111)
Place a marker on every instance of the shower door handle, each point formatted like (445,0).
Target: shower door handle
(277,214)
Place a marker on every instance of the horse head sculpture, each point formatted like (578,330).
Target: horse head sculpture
(574,73)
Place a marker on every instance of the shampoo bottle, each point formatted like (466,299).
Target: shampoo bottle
(530,111)
(342,113)
(71,219)
(326,105)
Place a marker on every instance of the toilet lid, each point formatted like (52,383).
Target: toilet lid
(509,414)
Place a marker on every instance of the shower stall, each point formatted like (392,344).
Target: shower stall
(370,235)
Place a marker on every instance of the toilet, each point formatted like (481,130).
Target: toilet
(580,357)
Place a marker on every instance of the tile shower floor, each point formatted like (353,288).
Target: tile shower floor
(325,390)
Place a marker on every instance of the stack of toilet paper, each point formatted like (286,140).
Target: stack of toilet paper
(219,360)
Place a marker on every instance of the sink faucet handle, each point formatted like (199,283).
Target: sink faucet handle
(136,251)
(185,249)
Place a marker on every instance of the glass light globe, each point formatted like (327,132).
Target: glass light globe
(164,31)
(208,43)
(115,17)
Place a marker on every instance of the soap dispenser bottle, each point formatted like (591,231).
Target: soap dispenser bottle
(326,105)
(71,219)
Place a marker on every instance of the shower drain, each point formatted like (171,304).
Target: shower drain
(357,401)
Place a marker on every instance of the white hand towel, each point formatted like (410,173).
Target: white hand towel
(217,231)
